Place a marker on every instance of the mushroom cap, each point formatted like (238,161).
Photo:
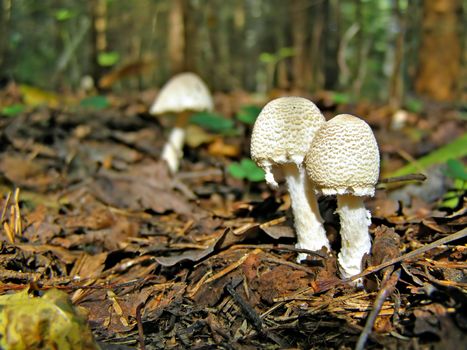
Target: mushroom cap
(183,92)
(344,157)
(284,130)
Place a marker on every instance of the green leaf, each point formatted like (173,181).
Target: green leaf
(340,98)
(246,169)
(266,57)
(63,15)
(107,59)
(253,172)
(236,170)
(413,105)
(456,170)
(95,102)
(13,110)
(213,122)
(454,150)
(285,52)
(248,114)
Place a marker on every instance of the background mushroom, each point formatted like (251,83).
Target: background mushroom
(281,137)
(182,94)
(343,160)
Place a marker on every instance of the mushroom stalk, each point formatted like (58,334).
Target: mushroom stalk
(172,151)
(354,220)
(307,219)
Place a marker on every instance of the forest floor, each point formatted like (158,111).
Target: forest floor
(203,260)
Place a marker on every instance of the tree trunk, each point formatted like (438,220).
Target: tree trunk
(98,36)
(396,85)
(300,60)
(5,15)
(176,36)
(331,43)
(440,51)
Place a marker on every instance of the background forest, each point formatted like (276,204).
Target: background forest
(381,50)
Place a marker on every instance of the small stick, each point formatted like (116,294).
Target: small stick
(250,313)
(388,287)
(410,255)
(403,178)
(140,326)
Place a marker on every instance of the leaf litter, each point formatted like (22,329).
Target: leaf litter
(205,259)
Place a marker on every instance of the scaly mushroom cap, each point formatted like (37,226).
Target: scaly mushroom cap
(284,130)
(184,92)
(344,157)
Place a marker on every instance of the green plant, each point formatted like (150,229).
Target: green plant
(214,122)
(456,170)
(13,110)
(454,150)
(95,102)
(107,59)
(248,114)
(246,169)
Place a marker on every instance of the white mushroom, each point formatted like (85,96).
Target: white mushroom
(183,94)
(343,160)
(281,137)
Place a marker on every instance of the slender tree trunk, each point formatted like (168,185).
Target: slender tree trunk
(176,36)
(316,55)
(440,57)
(331,44)
(396,80)
(190,37)
(5,15)
(300,60)
(99,35)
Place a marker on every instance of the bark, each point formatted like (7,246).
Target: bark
(396,82)
(331,43)
(5,15)
(176,36)
(300,60)
(440,51)
(98,35)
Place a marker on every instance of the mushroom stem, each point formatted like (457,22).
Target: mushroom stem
(173,148)
(307,219)
(354,220)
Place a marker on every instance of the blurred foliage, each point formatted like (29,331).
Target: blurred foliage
(230,45)
(248,114)
(13,110)
(453,150)
(214,122)
(108,59)
(457,171)
(246,169)
(95,102)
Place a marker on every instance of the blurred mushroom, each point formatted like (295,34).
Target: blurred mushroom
(182,94)
(281,137)
(343,160)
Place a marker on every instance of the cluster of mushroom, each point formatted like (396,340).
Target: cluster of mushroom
(338,157)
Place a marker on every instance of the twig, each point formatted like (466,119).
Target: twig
(140,327)
(388,287)
(249,312)
(285,247)
(410,255)
(403,178)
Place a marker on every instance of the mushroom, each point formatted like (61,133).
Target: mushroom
(182,94)
(343,160)
(281,137)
